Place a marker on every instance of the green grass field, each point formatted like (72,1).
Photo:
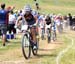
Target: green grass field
(47,6)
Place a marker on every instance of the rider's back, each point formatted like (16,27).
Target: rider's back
(3,14)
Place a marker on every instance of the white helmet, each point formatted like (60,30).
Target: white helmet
(27,7)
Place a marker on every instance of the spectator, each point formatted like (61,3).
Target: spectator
(70,20)
(73,20)
(3,22)
(11,24)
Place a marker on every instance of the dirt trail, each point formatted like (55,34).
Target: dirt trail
(15,56)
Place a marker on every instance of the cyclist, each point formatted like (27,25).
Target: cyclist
(54,23)
(54,27)
(3,21)
(48,22)
(59,23)
(29,19)
(42,25)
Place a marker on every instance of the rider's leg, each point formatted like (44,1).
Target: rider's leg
(34,41)
(37,30)
(33,35)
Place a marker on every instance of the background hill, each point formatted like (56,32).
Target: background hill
(52,6)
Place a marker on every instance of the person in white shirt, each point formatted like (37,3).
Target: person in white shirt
(11,23)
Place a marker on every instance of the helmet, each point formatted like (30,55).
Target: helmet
(27,8)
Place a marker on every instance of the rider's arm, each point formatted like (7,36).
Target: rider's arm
(18,23)
(36,19)
(9,9)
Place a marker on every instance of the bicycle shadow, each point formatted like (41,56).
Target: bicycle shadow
(57,43)
(46,49)
(45,54)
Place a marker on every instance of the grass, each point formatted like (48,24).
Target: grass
(44,57)
(9,46)
(69,56)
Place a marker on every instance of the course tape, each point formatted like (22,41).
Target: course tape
(58,58)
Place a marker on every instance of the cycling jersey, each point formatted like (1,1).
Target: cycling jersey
(48,20)
(48,23)
(3,16)
(54,25)
(30,19)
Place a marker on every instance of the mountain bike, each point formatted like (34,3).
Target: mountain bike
(53,35)
(27,44)
(48,35)
(42,33)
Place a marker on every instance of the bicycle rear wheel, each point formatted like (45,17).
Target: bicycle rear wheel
(49,39)
(54,36)
(42,35)
(34,51)
(49,35)
(26,48)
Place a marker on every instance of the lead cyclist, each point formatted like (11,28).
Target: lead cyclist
(28,19)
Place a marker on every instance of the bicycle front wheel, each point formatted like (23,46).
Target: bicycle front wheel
(26,48)
(49,36)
